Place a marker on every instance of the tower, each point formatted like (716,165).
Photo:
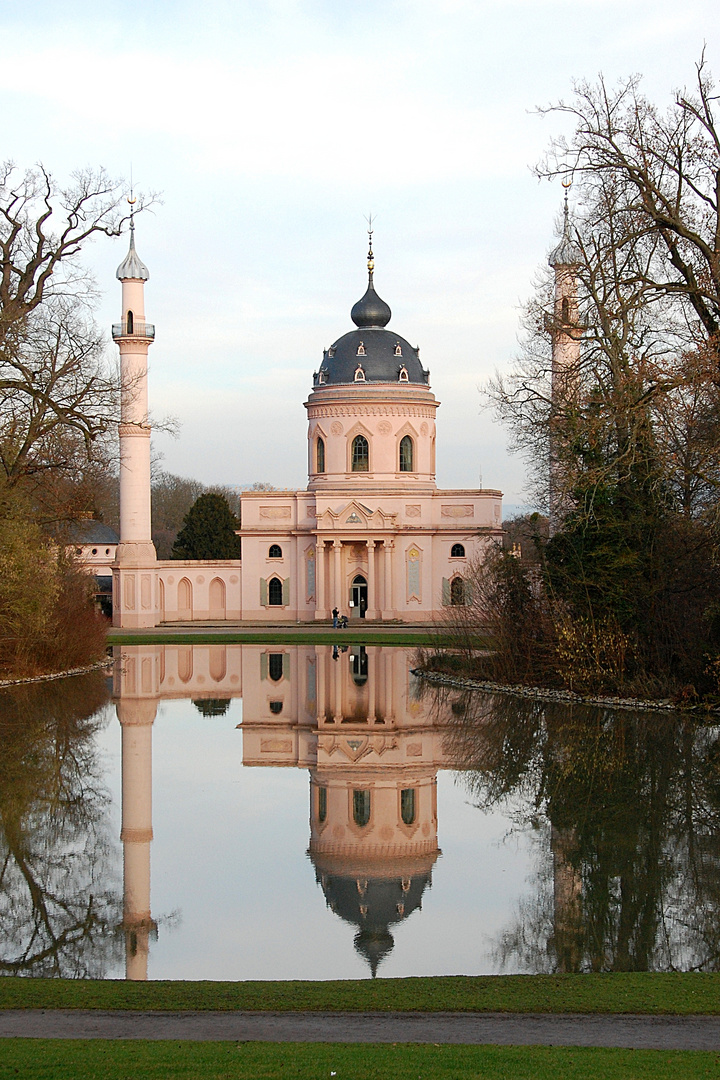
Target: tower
(566,332)
(135,584)
(371,413)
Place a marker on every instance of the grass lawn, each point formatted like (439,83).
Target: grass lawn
(632,992)
(62,1059)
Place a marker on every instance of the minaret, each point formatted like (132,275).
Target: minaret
(566,331)
(135,587)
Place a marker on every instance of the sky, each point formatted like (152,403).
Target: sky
(271,128)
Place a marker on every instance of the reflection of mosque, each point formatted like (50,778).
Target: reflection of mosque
(353,717)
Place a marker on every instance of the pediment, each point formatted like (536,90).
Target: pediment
(356,746)
(355,515)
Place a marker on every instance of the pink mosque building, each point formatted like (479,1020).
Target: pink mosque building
(371,534)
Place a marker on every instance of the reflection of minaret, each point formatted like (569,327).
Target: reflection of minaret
(136,688)
(567,901)
(566,331)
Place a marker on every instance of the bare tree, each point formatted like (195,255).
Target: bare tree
(663,169)
(58,393)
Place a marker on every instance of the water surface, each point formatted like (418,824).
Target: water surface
(281,812)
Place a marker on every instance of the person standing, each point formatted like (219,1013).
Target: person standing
(335,617)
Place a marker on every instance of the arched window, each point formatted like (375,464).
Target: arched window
(457,551)
(565,310)
(361,807)
(457,592)
(275,666)
(130,322)
(359,374)
(407,805)
(360,454)
(276,707)
(320,455)
(406,454)
(275,552)
(275,591)
(322,803)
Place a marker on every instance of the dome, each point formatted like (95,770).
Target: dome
(371,354)
(371,310)
(567,252)
(132,268)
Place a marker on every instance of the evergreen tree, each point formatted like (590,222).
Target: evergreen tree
(208,531)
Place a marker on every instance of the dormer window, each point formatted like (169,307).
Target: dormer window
(361,349)
(403,376)
(398,348)
(331,351)
(359,374)
(322,376)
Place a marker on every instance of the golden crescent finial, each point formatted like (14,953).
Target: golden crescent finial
(132,201)
(567,183)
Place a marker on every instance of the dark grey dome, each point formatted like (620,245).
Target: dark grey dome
(371,310)
(370,355)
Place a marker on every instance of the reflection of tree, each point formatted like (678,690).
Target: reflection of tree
(212,706)
(627,808)
(59,901)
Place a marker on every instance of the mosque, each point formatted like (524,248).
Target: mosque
(371,535)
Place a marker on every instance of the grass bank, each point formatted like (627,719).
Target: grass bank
(631,992)
(275,637)
(67,1059)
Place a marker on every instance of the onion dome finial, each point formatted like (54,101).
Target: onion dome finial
(567,252)
(371,310)
(132,268)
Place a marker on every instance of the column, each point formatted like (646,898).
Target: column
(371,612)
(321,610)
(339,600)
(389,608)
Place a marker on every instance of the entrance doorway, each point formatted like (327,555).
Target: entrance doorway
(359,597)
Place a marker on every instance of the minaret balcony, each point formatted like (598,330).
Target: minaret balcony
(144,330)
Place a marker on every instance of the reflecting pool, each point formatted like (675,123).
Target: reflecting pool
(294,811)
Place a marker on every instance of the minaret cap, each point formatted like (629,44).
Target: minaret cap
(567,252)
(132,268)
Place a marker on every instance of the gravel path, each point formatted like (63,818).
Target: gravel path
(633,1032)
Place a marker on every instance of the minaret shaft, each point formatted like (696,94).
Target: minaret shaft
(565,327)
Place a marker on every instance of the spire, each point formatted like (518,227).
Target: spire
(370,311)
(567,252)
(132,268)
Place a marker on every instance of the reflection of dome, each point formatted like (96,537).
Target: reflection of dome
(373,904)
